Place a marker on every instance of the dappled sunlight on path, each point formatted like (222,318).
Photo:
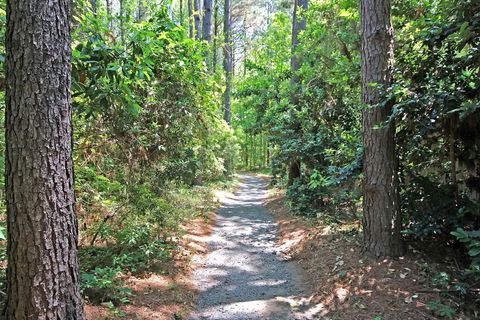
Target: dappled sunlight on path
(245,276)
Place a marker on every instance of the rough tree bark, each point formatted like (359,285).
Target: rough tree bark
(299,24)
(227,61)
(42,274)
(382,218)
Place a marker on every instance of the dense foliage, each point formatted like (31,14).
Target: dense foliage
(436,95)
(149,139)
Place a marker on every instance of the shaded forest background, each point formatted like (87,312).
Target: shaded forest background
(151,141)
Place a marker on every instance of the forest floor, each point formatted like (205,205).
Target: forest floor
(349,286)
(168,292)
(254,260)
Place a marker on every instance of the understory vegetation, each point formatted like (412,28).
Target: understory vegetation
(150,143)
(152,140)
(436,113)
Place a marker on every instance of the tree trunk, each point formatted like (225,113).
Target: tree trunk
(197,19)
(299,24)
(245,45)
(140,10)
(207,29)
(227,61)
(42,274)
(294,172)
(181,12)
(382,218)
(122,22)
(190,18)
(207,20)
(215,37)
(452,155)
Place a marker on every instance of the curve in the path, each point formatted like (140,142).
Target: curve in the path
(243,277)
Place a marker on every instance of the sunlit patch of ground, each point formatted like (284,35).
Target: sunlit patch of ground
(347,285)
(167,295)
(170,294)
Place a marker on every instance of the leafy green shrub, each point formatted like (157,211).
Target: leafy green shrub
(105,285)
(471,240)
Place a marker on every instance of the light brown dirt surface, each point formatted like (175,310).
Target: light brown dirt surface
(347,285)
(166,296)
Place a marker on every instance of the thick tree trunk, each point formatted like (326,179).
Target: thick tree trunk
(197,19)
(382,218)
(42,274)
(299,24)
(227,61)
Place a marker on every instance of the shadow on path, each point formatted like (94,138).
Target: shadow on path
(243,277)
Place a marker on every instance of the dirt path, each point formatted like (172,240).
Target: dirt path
(244,276)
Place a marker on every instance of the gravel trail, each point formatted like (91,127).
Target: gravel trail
(244,277)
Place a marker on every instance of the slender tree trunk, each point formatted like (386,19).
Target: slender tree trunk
(42,274)
(181,13)
(382,218)
(299,24)
(207,20)
(190,18)
(215,37)
(197,19)
(245,45)
(452,156)
(227,61)
(140,10)
(207,29)
(108,5)
(122,22)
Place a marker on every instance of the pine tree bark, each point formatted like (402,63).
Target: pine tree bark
(382,218)
(42,273)
(227,61)
(299,24)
